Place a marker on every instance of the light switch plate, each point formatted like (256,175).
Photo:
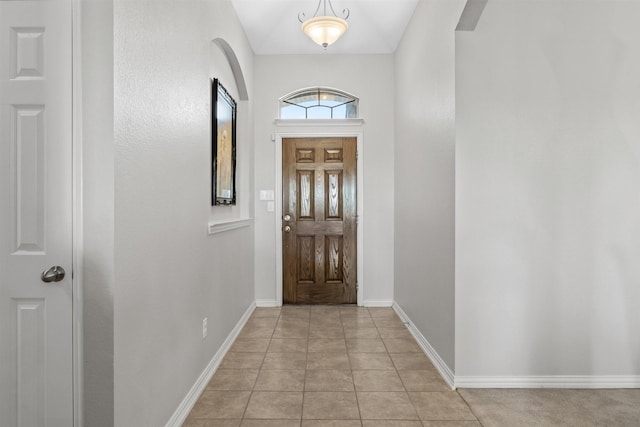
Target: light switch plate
(267,195)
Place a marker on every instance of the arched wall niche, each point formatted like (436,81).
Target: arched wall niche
(224,65)
(232,59)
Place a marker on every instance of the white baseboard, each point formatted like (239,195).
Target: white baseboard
(180,415)
(266,303)
(550,381)
(222,226)
(424,344)
(531,381)
(378,303)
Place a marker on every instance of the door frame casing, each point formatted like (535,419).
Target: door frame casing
(346,128)
(76,216)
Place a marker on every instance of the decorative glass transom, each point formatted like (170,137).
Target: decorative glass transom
(318,103)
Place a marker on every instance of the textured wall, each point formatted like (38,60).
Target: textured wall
(98,275)
(548,193)
(424,173)
(169,273)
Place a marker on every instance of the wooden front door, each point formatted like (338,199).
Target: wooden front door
(319,220)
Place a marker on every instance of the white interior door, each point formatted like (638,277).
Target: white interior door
(36,376)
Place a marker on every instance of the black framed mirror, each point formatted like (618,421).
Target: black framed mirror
(224,110)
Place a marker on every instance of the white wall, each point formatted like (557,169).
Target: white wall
(169,273)
(548,190)
(424,173)
(369,77)
(98,275)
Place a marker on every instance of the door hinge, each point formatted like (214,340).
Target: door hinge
(356,154)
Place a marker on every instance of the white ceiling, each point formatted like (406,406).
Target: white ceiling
(375,26)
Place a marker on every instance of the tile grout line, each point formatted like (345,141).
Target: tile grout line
(306,362)
(264,356)
(396,370)
(469,406)
(355,392)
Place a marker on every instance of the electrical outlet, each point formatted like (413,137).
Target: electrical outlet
(204,328)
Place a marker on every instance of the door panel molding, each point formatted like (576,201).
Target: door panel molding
(319,129)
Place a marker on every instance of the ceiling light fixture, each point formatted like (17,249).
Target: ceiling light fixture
(325,29)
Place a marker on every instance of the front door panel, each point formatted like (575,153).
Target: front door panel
(319,220)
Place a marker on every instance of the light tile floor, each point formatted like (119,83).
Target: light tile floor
(555,407)
(344,366)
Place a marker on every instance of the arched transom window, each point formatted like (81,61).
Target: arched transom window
(318,103)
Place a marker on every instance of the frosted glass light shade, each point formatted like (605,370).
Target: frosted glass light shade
(325,30)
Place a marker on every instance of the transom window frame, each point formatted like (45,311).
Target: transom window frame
(303,98)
